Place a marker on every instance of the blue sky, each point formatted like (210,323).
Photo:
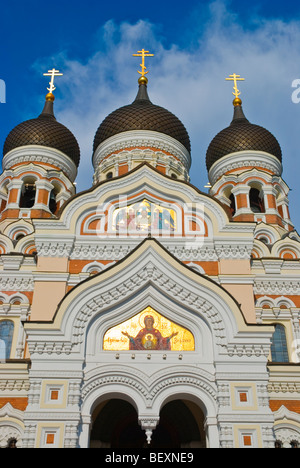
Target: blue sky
(196,45)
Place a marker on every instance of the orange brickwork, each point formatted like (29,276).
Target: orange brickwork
(17,403)
(291,405)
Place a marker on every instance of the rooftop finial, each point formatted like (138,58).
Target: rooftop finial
(235,78)
(143,53)
(53,73)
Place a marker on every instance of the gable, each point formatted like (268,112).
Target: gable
(148,276)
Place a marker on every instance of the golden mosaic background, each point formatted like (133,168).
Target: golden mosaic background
(115,340)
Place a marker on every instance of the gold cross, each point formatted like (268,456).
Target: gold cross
(53,73)
(235,78)
(143,53)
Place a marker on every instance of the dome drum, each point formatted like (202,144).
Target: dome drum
(140,146)
(240,161)
(43,155)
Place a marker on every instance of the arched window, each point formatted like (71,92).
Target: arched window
(256,201)
(6,336)
(279,350)
(52,201)
(28,192)
(232,204)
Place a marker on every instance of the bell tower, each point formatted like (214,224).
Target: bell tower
(244,163)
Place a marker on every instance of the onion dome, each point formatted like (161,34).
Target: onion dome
(142,115)
(241,135)
(44,131)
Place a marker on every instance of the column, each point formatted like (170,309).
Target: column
(212,432)
(84,437)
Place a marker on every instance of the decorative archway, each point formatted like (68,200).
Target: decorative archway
(115,425)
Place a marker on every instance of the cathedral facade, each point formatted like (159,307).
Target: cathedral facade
(143,311)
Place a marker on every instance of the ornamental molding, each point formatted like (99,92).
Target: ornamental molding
(283,387)
(9,411)
(40,154)
(149,387)
(61,416)
(286,426)
(16,282)
(114,249)
(243,159)
(276,286)
(143,155)
(47,247)
(141,139)
(284,413)
(11,425)
(14,385)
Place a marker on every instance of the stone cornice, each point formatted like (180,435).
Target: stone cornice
(40,154)
(142,139)
(235,161)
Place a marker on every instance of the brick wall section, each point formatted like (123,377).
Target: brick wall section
(17,403)
(291,405)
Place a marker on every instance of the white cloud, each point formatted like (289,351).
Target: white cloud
(190,82)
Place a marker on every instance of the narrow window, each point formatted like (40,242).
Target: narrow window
(279,350)
(52,202)
(27,199)
(232,204)
(6,336)
(256,201)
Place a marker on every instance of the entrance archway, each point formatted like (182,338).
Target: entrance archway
(115,425)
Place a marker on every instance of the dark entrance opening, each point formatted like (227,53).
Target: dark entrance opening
(116,426)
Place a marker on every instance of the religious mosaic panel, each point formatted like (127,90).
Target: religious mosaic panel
(148,331)
(144,217)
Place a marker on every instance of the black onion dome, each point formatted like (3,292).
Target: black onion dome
(142,115)
(241,135)
(44,131)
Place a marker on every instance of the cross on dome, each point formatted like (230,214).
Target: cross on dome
(235,78)
(53,73)
(143,53)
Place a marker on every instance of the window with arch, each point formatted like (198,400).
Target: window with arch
(232,204)
(6,337)
(279,351)
(231,199)
(52,201)
(53,204)
(28,193)
(256,198)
